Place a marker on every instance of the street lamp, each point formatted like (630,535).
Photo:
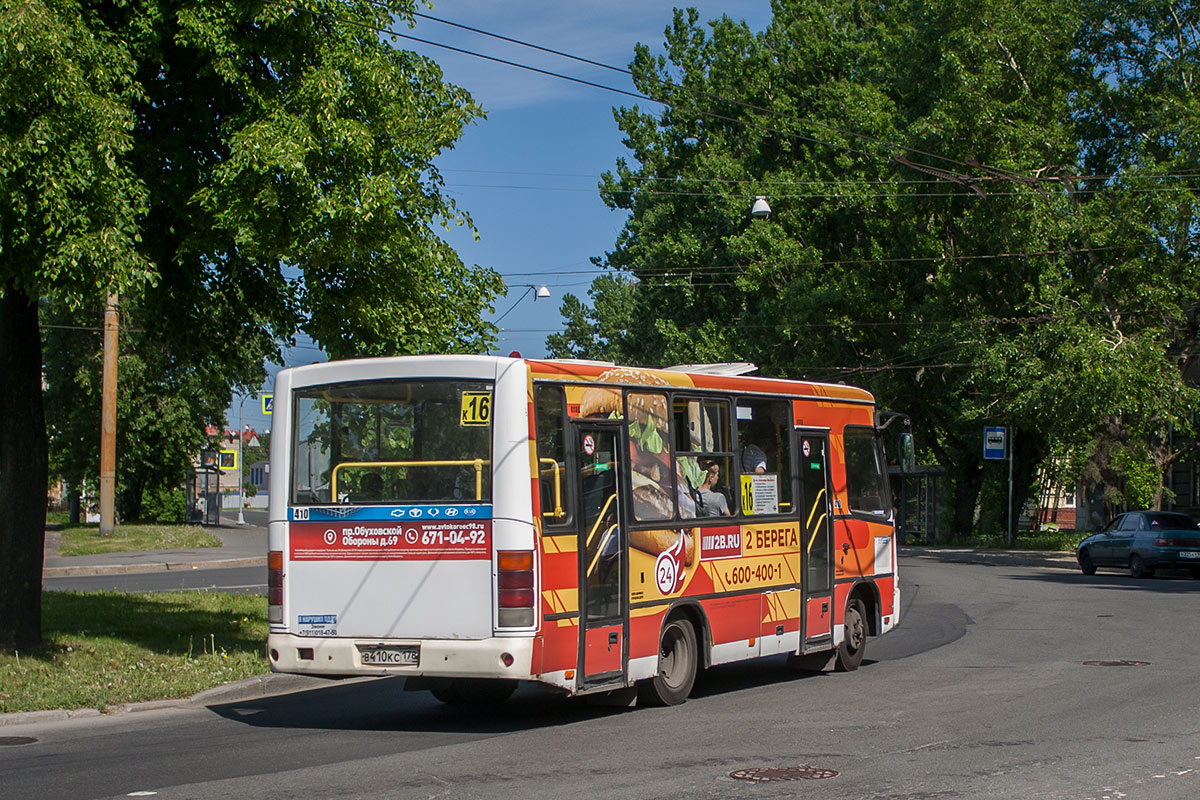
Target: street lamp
(761,208)
(241,517)
(538,291)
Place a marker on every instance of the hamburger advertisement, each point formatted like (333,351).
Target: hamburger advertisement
(653,485)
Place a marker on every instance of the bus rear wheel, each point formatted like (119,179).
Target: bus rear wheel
(677,660)
(854,641)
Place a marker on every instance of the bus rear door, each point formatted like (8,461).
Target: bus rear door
(815,521)
(602,597)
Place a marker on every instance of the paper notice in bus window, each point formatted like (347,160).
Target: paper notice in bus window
(760,494)
(316,624)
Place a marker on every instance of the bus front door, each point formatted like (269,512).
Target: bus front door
(602,595)
(818,539)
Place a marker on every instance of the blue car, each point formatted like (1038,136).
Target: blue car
(1143,541)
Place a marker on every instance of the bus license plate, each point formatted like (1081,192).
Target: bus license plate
(1190,554)
(405,656)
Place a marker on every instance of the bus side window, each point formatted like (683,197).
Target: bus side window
(550,415)
(866,486)
(703,457)
(764,430)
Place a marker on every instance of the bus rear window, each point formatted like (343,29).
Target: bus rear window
(392,442)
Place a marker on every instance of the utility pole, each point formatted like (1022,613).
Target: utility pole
(108,418)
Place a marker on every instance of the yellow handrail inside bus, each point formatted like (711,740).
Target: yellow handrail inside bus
(558,512)
(808,524)
(608,532)
(599,519)
(477,463)
(813,510)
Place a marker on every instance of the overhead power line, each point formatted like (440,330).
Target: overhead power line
(639,96)
(969,164)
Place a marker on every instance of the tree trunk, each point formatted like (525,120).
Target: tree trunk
(967,486)
(23,468)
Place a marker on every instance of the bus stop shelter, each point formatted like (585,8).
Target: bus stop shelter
(916,493)
(204,496)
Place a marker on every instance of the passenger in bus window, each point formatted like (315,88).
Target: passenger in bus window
(372,487)
(754,457)
(712,502)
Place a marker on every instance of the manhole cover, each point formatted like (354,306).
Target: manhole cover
(9,741)
(1121,663)
(764,774)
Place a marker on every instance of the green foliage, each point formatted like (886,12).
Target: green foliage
(165,505)
(70,200)
(962,219)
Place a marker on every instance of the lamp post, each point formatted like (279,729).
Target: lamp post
(538,291)
(241,517)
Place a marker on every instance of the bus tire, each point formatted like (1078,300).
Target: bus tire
(678,656)
(854,640)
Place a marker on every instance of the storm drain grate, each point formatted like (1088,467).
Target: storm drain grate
(1121,663)
(765,774)
(9,741)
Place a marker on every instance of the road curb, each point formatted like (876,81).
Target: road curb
(257,686)
(157,566)
(54,715)
(995,559)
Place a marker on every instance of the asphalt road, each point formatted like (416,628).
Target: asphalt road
(983,692)
(232,579)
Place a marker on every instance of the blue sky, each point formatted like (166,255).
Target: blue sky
(527,174)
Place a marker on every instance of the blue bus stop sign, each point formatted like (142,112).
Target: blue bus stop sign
(995,444)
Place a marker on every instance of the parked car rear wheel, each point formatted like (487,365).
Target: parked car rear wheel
(1138,568)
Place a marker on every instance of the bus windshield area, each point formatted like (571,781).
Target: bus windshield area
(392,442)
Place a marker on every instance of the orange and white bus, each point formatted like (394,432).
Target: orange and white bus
(474,521)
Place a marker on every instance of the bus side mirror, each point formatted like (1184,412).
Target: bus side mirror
(908,453)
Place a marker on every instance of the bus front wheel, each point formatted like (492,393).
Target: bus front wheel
(677,659)
(854,641)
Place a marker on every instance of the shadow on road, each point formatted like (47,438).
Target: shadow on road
(383,704)
(1161,583)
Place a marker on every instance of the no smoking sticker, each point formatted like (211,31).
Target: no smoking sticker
(589,444)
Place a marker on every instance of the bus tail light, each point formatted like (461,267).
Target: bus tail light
(275,586)
(514,588)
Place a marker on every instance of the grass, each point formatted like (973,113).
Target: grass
(85,540)
(102,649)
(1058,541)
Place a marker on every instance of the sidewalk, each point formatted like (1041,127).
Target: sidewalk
(242,546)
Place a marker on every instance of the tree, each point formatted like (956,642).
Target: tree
(950,227)
(69,205)
(242,171)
